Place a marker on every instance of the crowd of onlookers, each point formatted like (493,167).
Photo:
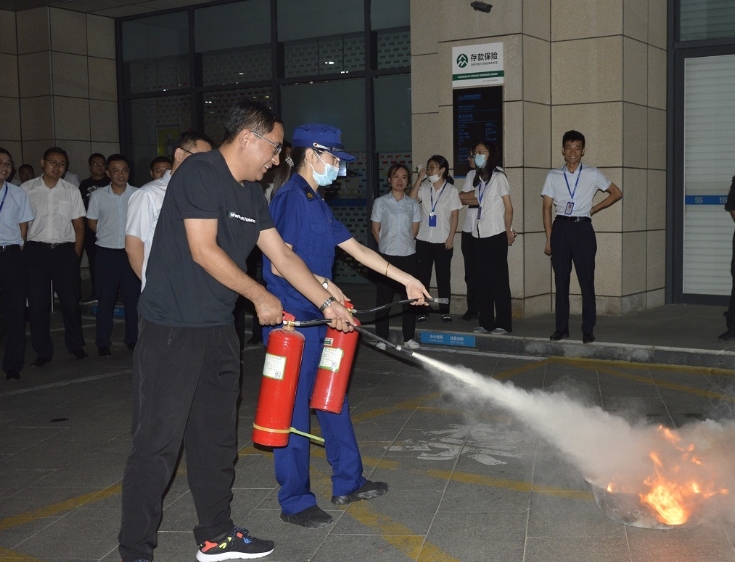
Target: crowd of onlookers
(49,218)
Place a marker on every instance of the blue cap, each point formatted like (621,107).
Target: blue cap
(322,137)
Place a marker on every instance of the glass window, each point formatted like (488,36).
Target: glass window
(156,53)
(234,42)
(706,19)
(156,124)
(340,104)
(391,20)
(321,36)
(217,105)
(392,124)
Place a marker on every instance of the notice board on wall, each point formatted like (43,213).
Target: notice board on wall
(478,116)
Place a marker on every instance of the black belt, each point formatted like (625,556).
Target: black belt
(473,206)
(9,247)
(51,246)
(572,219)
(111,249)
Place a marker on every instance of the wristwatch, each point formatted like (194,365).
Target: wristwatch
(326,304)
(325,284)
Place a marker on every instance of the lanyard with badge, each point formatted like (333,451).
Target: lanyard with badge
(570,205)
(432,214)
(2,203)
(480,197)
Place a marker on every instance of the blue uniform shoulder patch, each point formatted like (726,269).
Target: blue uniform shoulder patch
(308,192)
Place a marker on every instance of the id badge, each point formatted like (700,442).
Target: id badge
(432,220)
(479,213)
(570,208)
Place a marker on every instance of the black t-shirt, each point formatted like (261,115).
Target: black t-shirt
(90,185)
(178,292)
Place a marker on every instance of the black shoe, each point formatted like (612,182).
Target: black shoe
(368,491)
(131,346)
(12,375)
(727,336)
(556,336)
(469,316)
(81,354)
(446,318)
(422,317)
(238,544)
(312,517)
(101,351)
(588,338)
(40,361)
(90,299)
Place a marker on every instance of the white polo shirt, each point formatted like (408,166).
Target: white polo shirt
(444,203)
(111,213)
(143,210)
(490,195)
(54,209)
(583,184)
(470,217)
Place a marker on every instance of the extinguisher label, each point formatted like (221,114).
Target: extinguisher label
(331,359)
(274,366)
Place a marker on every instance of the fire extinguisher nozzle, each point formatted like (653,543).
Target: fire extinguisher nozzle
(386,342)
(440,301)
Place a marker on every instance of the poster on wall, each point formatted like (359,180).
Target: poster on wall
(477,65)
(166,137)
(478,116)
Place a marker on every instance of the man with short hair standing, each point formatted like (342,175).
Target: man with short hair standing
(145,204)
(15,213)
(107,214)
(159,166)
(570,237)
(55,241)
(97,178)
(186,367)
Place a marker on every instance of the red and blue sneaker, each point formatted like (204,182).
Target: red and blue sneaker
(237,545)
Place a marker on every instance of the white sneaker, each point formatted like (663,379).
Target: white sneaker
(380,345)
(411,344)
(480,330)
(499,332)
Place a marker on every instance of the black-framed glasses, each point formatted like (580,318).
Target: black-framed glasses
(8,165)
(276,147)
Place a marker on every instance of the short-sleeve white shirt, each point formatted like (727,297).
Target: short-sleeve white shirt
(396,220)
(110,211)
(490,195)
(470,217)
(587,184)
(144,208)
(14,210)
(54,209)
(445,203)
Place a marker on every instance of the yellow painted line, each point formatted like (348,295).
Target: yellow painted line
(518,370)
(645,366)
(60,507)
(13,556)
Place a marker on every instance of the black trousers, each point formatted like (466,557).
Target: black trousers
(468,254)
(386,289)
(429,254)
(574,242)
(60,265)
(13,307)
(186,382)
(491,272)
(115,273)
(90,247)
(730,315)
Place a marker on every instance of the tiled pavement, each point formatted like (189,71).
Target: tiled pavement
(467,484)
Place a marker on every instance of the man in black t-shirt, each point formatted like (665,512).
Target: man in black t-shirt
(729,335)
(186,373)
(97,178)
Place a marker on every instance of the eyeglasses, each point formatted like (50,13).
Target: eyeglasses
(8,165)
(55,164)
(99,164)
(276,147)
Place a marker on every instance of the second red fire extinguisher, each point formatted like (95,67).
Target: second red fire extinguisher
(334,371)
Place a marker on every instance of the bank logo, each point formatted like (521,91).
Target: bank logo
(462,60)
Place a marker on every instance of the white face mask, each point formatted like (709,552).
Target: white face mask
(434,178)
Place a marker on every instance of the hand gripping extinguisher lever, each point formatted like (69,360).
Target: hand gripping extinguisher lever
(405,301)
(386,342)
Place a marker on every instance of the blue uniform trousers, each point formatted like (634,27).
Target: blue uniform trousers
(113,272)
(292,461)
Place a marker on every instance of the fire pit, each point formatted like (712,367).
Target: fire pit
(627,508)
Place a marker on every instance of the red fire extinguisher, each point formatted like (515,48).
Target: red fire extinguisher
(272,423)
(334,371)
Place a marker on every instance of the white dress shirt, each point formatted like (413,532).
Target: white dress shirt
(583,184)
(492,217)
(445,203)
(53,209)
(72,178)
(14,210)
(470,217)
(396,220)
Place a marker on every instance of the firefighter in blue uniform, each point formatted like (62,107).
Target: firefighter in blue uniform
(308,226)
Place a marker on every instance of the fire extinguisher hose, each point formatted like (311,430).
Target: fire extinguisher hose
(386,342)
(291,430)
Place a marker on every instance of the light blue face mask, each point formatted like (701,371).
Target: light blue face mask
(480,160)
(328,176)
